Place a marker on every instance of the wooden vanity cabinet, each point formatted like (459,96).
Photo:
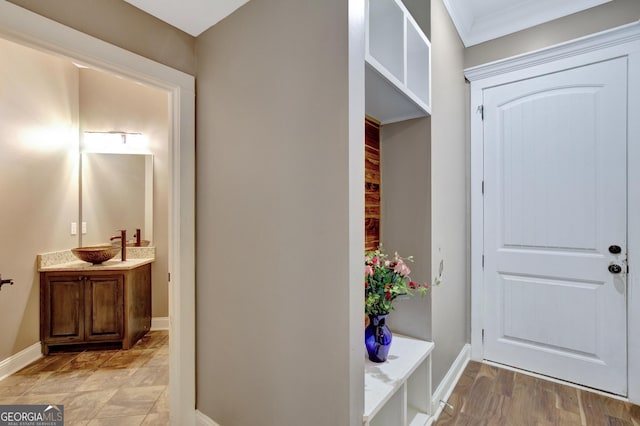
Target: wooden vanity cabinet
(92,307)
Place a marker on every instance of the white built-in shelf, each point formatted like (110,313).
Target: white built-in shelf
(398,63)
(398,391)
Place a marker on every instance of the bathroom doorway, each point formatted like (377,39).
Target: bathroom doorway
(31,30)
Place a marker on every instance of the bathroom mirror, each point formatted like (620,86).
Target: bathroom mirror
(116,193)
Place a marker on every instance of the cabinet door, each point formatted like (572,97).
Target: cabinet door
(63,308)
(139,306)
(104,303)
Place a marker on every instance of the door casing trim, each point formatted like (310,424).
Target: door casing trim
(622,41)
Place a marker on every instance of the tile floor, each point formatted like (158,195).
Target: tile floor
(112,387)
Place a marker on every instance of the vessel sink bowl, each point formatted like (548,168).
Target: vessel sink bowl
(96,254)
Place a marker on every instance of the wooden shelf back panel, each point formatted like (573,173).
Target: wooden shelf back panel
(372,185)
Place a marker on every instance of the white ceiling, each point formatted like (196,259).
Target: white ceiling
(476,20)
(191,16)
(482,20)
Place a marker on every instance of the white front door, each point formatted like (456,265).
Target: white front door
(555,202)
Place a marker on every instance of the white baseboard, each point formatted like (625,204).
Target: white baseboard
(204,420)
(20,360)
(159,323)
(448,383)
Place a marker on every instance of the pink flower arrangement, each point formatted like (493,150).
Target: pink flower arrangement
(385,280)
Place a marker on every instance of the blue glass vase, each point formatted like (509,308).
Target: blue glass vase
(377,338)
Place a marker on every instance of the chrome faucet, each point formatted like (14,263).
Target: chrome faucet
(123,243)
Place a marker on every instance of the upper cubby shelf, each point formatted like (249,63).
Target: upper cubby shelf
(398,63)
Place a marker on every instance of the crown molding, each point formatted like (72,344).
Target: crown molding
(614,37)
(475,27)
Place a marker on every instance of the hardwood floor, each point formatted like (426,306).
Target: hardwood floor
(112,387)
(486,395)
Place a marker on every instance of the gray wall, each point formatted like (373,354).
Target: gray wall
(448,191)
(406,214)
(123,25)
(600,18)
(275,246)
(38,161)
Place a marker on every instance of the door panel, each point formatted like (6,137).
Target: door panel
(555,200)
(64,306)
(550,134)
(104,308)
(525,297)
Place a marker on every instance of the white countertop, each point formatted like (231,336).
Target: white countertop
(64,260)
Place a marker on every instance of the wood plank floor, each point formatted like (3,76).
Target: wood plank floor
(486,395)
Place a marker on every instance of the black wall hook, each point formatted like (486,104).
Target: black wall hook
(5,281)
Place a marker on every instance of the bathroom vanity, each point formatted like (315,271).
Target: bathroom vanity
(85,305)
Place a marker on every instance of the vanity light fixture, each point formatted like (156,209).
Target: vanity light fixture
(115,142)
